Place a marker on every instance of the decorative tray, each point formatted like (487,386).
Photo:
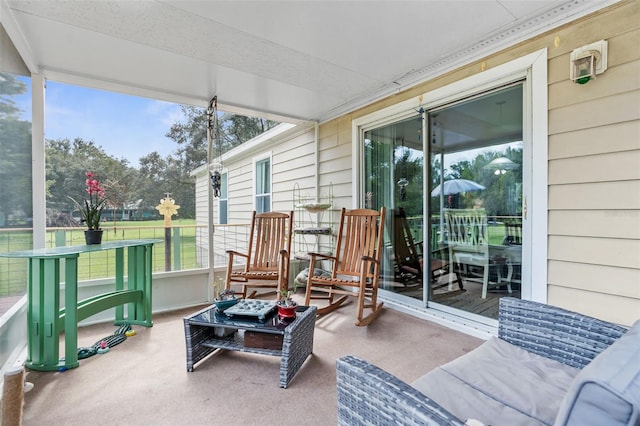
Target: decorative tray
(251,308)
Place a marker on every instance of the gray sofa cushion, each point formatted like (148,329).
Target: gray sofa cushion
(500,384)
(607,391)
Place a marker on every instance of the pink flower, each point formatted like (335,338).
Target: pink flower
(92,209)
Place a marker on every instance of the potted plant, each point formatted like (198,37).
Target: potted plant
(91,209)
(225,299)
(286,305)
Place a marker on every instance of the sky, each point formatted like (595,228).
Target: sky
(124,126)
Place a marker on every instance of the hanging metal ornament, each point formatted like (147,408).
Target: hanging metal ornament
(215,182)
(403,182)
(213,133)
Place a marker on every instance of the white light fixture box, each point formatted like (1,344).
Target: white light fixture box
(588,61)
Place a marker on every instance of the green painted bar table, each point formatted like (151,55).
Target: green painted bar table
(45,318)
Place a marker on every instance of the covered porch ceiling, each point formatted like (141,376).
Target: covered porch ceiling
(286,60)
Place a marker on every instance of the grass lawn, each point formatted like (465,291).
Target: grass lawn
(100,264)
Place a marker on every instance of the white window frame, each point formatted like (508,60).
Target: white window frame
(223,172)
(535,158)
(268,156)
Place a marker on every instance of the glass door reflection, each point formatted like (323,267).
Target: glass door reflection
(394,178)
(475,164)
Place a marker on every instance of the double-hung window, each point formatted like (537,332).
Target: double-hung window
(263,185)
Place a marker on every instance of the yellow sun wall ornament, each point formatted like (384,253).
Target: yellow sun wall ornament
(167,208)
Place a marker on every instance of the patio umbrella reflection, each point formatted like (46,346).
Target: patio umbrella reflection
(456,186)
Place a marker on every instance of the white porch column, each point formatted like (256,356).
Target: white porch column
(38,161)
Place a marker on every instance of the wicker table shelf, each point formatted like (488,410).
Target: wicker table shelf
(208,330)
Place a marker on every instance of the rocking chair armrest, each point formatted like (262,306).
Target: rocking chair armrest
(286,256)
(323,255)
(237,253)
(285,253)
(370,259)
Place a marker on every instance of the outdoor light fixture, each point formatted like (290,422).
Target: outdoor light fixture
(588,61)
(500,165)
(402,183)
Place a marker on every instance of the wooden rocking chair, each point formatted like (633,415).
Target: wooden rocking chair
(408,254)
(356,265)
(267,260)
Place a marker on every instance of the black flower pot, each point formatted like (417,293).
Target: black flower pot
(93,236)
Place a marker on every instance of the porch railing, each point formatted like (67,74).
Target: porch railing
(189,250)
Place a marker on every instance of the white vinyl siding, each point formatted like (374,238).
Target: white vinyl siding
(594,173)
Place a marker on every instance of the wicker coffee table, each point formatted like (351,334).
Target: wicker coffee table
(209,330)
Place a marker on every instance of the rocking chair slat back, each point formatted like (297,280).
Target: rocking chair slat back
(266,262)
(358,237)
(270,237)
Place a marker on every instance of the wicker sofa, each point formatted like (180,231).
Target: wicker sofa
(547,366)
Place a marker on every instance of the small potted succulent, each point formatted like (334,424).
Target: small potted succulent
(286,305)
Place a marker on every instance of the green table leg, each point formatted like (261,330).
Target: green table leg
(45,306)
(43,311)
(71,313)
(35,306)
(138,278)
(119,283)
(136,259)
(147,290)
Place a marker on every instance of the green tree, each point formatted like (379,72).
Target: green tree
(159,176)
(237,129)
(66,165)
(409,165)
(503,196)
(172,174)
(10,86)
(15,152)
(191,137)
(503,193)
(69,160)
(233,130)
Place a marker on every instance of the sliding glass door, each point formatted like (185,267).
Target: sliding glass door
(465,251)
(394,178)
(476,200)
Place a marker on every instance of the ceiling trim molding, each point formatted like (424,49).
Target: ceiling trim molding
(561,14)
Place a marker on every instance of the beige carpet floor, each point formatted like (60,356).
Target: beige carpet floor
(143,381)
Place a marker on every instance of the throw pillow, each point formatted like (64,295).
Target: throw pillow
(607,391)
